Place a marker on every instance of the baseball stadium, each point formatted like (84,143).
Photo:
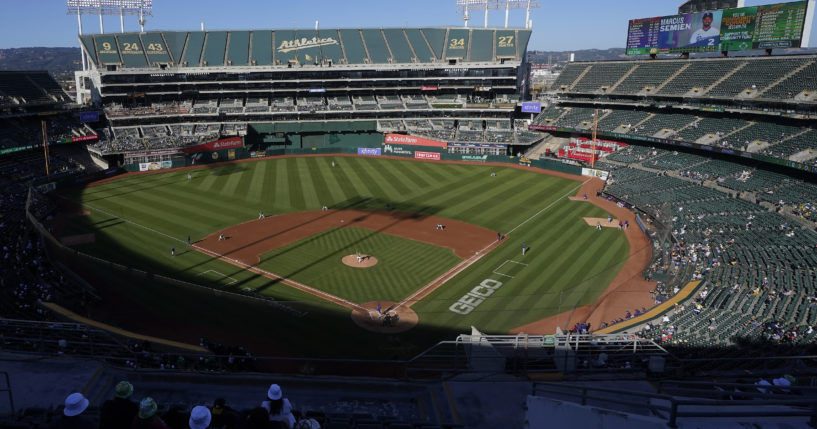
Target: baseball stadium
(406,228)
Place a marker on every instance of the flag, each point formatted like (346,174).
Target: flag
(308,58)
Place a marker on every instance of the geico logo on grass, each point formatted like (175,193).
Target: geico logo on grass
(475,297)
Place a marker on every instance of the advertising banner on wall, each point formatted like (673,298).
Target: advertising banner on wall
(369,151)
(595,173)
(427,155)
(228,143)
(412,141)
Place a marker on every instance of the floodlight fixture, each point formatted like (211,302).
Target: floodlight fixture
(466,6)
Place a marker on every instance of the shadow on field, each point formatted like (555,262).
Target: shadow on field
(399,211)
(267,327)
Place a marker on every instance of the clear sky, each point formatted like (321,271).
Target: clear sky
(558,25)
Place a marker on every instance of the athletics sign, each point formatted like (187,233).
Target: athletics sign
(304,43)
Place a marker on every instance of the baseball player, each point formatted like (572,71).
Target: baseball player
(359,258)
(524,249)
(189,176)
(172,251)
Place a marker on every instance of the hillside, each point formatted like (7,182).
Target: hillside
(59,61)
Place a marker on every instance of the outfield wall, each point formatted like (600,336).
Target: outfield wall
(426,153)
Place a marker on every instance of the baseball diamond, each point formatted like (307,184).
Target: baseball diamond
(315,214)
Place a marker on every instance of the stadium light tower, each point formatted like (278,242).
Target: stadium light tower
(465,6)
(111,7)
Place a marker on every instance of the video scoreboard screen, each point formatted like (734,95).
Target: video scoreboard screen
(757,27)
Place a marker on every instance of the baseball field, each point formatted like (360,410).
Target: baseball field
(431,227)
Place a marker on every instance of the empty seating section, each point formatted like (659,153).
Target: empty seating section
(193,49)
(713,126)
(799,143)
(648,74)
(305,46)
(602,75)
(803,80)
(175,44)
(400,49)
(700,75)
(353,45)
(261,49)
(418,42)
(712,170)
(482,44)
(754,181)
(436,39)
(577,116)
(156,48)
(631,154)
(238,52)
(549,115)
(29,88)
(757,74)
(376,46)
(330,51)
(569,75)
(214,47)
(620,117)
(669,121)
(763,132)
(674,161)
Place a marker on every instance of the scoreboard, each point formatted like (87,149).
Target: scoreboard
(759,27)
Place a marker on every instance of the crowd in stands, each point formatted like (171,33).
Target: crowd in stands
(274,411)
(752,250)
(27,130)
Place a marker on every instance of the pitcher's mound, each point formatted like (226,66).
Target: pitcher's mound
(398,320)
(366,261)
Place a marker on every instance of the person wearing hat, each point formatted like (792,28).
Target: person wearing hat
(223,415)
(278,407)
(147,418)
(119,411)
(200,417)
(72,418)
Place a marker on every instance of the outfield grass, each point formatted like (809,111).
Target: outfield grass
(139,218)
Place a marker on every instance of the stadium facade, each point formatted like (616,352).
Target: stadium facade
(168,89)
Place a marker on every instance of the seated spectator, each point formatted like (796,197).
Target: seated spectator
(223,415)
(200,417)
(72,418)
(278,407)
(146,417)
(118,412)
(258,418)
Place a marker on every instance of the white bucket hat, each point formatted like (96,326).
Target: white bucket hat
(75,404)
(274,392)
(200,417)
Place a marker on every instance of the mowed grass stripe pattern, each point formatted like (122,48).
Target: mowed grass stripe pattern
(570,260)
(568,264)
(403,265)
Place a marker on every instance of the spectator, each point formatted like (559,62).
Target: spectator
(200,417)
(278,407)
(146,417)
(223,415)
(118,412)
(258,418)
(72,418)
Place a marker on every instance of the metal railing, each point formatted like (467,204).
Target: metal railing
(672,409)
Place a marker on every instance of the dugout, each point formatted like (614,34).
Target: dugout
(312,134)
